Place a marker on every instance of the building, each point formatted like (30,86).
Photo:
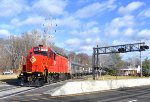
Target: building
(134,71)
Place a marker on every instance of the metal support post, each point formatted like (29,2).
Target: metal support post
(93,63)
(141,63)
(97,62)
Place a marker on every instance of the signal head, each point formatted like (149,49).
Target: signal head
(121,49)
(144,47)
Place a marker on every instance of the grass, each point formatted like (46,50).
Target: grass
(9,79)
(108,77)
(10,76)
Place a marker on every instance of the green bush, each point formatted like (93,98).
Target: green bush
(111,71)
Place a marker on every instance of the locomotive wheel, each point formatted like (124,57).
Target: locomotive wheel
(50,79)
(37,83)
(62,77)
(21,82)
(29,83)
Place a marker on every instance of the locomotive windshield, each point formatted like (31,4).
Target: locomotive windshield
(40,52)
(44,53)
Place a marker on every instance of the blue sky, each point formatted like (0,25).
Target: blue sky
(82,24)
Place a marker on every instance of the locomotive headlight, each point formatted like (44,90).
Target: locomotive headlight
(21,74)
(38,74)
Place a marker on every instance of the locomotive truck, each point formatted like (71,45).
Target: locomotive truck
(44,65)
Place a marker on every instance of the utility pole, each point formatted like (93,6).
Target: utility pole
(48,26)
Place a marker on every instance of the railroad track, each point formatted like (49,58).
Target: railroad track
(16,90)
(13,91)
(10,88)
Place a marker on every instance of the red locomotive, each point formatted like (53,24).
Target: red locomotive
(43,65)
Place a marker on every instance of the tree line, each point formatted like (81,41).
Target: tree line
(14,47)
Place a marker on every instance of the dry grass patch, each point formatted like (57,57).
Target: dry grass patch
(108,77)
(9,79)
(11,76)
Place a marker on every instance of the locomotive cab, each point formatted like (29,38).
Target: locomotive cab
(37,59)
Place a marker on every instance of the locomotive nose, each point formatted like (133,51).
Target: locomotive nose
(32,59)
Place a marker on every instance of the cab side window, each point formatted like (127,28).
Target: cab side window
(54,56)
(50,54)
(44,53)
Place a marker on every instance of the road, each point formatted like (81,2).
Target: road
(137,94)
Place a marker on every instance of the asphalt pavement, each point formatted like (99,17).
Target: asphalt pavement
(137,94)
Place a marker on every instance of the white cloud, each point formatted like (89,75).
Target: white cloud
(6,26)
(82,45)
(82,29)
(87,33)
(145,33)
(117,42)
(50,7)
(88,40)
(70,22)
(122,41)
(119,24)
(129,32)
(14,21)
(73,42)
(86,48)
(9,8)
(32,20)
(4,32)
(91,24)
(95,9)
(130,7)
(82,1)
(125,21)
(145,13)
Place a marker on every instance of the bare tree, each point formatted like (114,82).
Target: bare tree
(134,62)
(72,56)
(14,47)
(83,59)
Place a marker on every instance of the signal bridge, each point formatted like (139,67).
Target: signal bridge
(115,49)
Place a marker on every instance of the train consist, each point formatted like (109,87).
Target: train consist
(43,65)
